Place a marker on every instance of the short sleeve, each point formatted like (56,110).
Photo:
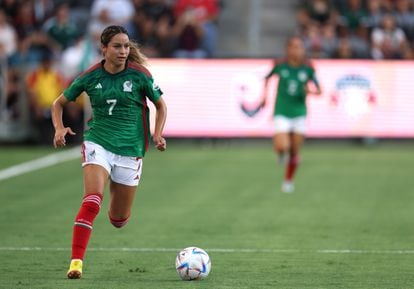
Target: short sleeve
(74,89)
(152,90)
(275,70)
(312,76)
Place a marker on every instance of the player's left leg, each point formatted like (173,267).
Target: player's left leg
(120,203)
(124,181)
(296,140)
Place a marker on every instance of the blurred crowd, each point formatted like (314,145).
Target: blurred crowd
(373,29)
(44,44)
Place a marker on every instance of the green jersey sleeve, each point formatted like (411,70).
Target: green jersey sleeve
(275,70)
(75,89)
(313,77)
(152,90)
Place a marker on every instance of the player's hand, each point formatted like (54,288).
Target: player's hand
(160,143)
(60,133)
(318,91)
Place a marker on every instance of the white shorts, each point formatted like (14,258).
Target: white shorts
(285,124)
(122,169)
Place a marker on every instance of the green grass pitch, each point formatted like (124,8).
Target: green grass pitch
(227,201)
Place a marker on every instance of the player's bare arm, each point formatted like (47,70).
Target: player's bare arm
(160,118)
(60,130)
(264,94)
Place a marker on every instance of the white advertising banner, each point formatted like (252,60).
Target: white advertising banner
(221,98)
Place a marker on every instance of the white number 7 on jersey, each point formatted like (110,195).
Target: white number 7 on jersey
(112,103)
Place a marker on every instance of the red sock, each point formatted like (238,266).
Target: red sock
(118,223)
(291,167)
(83,224)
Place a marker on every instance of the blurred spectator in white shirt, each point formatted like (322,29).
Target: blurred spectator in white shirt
(111,12)
(8,37)
(388,41)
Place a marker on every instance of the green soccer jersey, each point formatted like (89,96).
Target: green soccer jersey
(291,90)
(120,116)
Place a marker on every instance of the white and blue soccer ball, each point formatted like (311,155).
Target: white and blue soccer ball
(193,263)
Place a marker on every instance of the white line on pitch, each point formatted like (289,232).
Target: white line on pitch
(40,163)
(223,250)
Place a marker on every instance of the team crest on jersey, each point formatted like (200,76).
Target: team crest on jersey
(284,73)
(302,75)
(128,86)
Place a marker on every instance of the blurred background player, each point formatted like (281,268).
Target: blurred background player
(116,142)
(290,111)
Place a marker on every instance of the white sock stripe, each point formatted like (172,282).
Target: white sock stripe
(92,201)
(83,225)
(93,197)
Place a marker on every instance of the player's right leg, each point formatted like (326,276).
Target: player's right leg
(95,177)
(281,140)
(281,146)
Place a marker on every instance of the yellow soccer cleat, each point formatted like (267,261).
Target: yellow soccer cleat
(75,269)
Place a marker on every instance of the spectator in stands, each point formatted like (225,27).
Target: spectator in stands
(353,15)
(8,37)
(320,11)
(312,40)
(8,48)
(80,11)
(43,9)
(25,21)
(404,17)
(109,12)
(10,7)
(154,9)
(388,41)
(374,15)
(60,28)
(152,28)
(31,49)
(189,34)
(388,6)
(344,50)
(199,13)
(79,57)
(360,43)
(43,83)
(329,40)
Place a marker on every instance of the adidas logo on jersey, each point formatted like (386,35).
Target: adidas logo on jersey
(99,85)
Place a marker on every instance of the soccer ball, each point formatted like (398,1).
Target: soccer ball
(192,263)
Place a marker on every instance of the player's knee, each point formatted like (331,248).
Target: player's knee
(119,222)
(280,148)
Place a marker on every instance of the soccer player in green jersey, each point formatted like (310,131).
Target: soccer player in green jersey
(294,74)
(118,134)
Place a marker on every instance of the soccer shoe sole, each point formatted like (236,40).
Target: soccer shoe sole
(75,274)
